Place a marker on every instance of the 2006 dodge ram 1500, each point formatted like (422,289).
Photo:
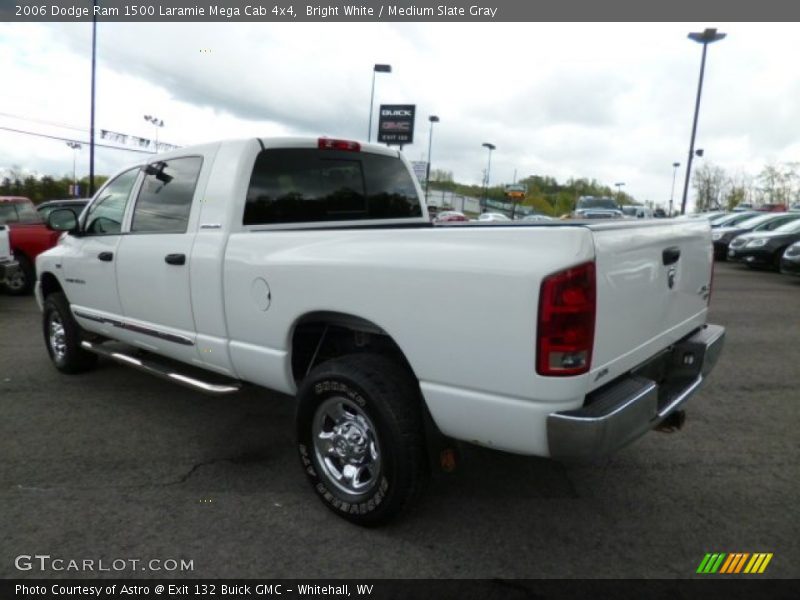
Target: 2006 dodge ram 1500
(310,266)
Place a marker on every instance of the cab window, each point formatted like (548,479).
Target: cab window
(165,198)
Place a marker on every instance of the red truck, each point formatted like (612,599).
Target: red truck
(28,236)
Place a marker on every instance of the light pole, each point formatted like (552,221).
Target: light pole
(157,123)
(675,166)
(488,172)
(619,185)
(91,118)
(375,69)
(709,36)
(75,147)
(433,119)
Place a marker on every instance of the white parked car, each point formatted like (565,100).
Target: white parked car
(302,265)
(492,216)
(536,218)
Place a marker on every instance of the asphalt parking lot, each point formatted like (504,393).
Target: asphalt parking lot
(116,464)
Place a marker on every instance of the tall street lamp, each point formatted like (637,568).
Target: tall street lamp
(709,36)
(488,172)
(375,69)
(157,123)
(75,147)
(675,166)
(433,119)
(91,110)
(619,185)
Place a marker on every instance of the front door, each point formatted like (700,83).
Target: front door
(90,261)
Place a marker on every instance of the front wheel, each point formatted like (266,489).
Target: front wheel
(62,336)
(360,437)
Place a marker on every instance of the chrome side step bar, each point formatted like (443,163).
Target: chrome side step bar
(154,368)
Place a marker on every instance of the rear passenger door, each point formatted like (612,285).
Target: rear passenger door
(153,259)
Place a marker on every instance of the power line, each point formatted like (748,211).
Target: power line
(64,139)
(43,122)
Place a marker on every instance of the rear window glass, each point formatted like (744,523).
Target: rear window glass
(308,185)
(591,202)
(27,213)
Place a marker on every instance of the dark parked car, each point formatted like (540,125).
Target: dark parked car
(722,236)
(76,205)
(790,263)
(765,248)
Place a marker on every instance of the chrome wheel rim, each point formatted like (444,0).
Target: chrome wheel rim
(57,337)
(346,446)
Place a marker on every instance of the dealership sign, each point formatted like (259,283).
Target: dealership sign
(396,124)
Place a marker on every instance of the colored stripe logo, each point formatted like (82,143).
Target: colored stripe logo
(734,563)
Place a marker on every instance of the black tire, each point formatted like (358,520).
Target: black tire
(21,282)
(62,337)
(776,259)
(380,404)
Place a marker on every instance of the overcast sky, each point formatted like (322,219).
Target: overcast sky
(607,101)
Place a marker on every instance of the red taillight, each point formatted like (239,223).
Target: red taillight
(567,302)
(329,144)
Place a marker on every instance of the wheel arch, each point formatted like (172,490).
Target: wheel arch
(321,335)
(49,284)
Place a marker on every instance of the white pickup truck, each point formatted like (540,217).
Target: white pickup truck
(309,266)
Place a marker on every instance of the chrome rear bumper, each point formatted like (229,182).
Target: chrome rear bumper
(630,406)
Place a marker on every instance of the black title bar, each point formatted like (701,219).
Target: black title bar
(375,11)
(390,589)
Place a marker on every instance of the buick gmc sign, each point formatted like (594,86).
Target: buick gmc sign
(396,124)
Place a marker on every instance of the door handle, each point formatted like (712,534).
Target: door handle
(106,256)
(671,255)
(175,259)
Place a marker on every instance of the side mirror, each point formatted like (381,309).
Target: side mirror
(62,219)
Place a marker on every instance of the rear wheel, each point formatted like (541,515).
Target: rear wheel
(23,278)
(62,336)
(360,437)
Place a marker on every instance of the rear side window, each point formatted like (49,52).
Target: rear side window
(308,185)
(165,198)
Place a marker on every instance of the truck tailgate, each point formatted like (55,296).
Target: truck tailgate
(653,284)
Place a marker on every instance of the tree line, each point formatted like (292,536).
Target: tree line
(544,193)
(777,183)
(42,188)
(714,187)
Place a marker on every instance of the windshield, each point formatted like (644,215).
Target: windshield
(790,227)
(755,221)
(734,219)
(597,203)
